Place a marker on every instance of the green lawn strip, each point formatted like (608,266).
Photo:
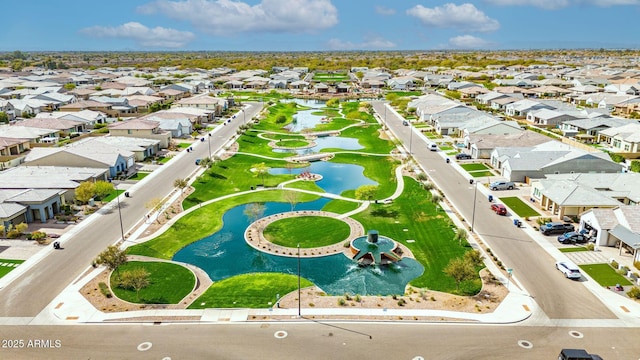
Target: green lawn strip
(292,143)
(377,168)
(573,249)
(184,145)
(518,206)
(404,93)
(340,206)
(281,136)
(273,113)
(258,96)
(431,135)
(168,283)
(4,270)
(112,196)
(139,175)
(336,123)
(480,173)
(604,274)
(369,137)
(203,222)
(446,148)
(231,176)
(474,167)
(257,290)
(305,185)
(307,231)
(164,160)
(432,231)
(249,142)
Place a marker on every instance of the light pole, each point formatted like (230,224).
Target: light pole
(475,192)
(299,298)
(209,140)
(410,137)
(243,120)
(120,215)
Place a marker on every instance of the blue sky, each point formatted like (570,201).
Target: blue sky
(317,25)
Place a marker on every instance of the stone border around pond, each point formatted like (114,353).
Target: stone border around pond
(254,236)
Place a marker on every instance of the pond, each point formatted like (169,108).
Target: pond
(336,177)
(327,142)
(226,253)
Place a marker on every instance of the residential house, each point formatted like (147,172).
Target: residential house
(142,148)
(179,127)
(141,128)
(29,205)
(548,118)
(523,107)
(85,153)
(89,105)
(619,227)
(12,152)
(481,145)
(625,138)
(33,135)
(590,126)
(88,117)
(67,126)
(552,157)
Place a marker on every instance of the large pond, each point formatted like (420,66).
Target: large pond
(226,253)
(305,119)
(328,142)
(336,177)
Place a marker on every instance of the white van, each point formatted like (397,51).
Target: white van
(433,147)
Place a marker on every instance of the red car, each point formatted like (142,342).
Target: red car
(499,209)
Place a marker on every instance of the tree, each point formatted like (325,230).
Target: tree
(4,118)
(154,205)
(474,257)
(255,211)
(366,192)
(460,236)
(85,191)
(292,198)
(112,257)
(135,279)
(435,199)
(103,188)
(261,170)
(206,162)
(69,86)
(460,270)
(180,184)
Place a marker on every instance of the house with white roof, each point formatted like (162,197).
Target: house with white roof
(619,227)
(553,157)
(33,135)
(523,107)
(142,148)
(141,128)
(84,153)
(625,138)
(482,145)
(548,118)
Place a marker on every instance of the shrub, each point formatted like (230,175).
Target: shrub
(636,264)
(590,247)
(614,264)
(358,298)
(37,235)
(104,289)
(634,292)
(341,302)
(13,234)
(401,302)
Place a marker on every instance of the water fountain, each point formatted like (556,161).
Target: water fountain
(374,249)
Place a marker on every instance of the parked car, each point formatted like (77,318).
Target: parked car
(556,227)
(198,161)
(499,209)
(577,354)
(502,185)
(463,156)
(569,269)
(405,123)
(433,147)
(572,237)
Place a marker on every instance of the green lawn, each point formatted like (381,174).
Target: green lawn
(169,283)
(113,195)
(377,168)
(480,173)
(432,231)
(257,290)
(4,269)
(184,145)
(573,249)
(164,160)
(604,274)
(474,167)
(201,223)
(518,206)
(292,143)
(139,175)
(340,206)
(307,231)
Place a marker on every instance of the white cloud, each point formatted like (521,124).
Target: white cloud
(220,17)
(382,10)
(559,4)
(468,42)
(144,36)
(464,17)
(369,43)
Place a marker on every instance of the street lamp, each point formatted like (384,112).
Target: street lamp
(243,120)
(299,298)
(209,138)
(410,138)
(120,215)
(475,192)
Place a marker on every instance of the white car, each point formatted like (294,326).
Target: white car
(433,147)
(569,269)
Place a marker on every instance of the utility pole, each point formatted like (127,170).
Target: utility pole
(299,292)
